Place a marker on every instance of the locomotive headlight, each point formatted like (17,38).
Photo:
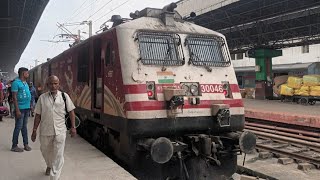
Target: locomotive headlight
(191,88)
(151,90)
(194,90)
(186,88)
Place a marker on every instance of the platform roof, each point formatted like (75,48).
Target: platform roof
(18,19)
(265,23)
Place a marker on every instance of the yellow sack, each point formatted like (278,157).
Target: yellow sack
(311,80)
(314,93)
(285,90)
(315,90)
(303,91)
(294,82)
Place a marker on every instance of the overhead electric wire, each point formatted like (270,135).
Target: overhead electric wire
(84,9)
(47,51)
(99,9)
(66,30)
(53,46)
(76,11)
(95,13)
(111,11)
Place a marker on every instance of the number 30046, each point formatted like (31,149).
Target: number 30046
(211,88)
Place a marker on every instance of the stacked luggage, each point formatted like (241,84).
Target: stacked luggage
(306,88)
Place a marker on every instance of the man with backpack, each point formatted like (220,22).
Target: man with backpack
(50,114)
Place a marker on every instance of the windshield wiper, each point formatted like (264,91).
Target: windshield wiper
(169,53)
(209,69)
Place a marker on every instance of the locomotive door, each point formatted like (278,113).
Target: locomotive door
(110,77)
(97,81)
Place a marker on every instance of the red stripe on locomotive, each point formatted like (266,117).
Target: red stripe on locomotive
(161,105)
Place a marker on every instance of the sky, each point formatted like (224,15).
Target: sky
(74,11)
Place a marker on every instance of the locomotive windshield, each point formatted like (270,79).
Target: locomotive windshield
(208,51)
(160,49)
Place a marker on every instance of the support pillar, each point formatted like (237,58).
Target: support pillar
(263,71)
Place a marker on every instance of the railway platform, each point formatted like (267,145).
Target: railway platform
(283,112)
(82,160)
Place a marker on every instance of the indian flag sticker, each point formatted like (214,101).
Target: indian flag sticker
(165,77)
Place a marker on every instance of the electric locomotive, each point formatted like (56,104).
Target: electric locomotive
(159,92)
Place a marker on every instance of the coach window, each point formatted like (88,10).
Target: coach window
(110,54)
(83,64)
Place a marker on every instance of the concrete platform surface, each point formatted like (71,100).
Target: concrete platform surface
(284,112)
(82,160)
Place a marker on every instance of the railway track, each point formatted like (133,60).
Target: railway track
(300,145)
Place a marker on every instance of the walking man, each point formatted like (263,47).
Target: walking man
(50,114)
(21,100)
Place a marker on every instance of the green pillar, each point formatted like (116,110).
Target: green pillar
(263,71)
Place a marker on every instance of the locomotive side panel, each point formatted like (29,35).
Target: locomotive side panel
(79,77)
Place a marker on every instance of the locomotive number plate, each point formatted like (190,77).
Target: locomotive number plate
(211,88)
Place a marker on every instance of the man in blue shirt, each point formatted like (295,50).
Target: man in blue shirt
(21,100)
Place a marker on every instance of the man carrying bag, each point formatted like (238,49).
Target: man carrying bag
(50,113)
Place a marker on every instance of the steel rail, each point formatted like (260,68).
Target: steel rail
(314,134)
(292,144)
(283,133)
(287,139)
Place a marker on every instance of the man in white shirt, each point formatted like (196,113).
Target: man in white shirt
(50,114)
